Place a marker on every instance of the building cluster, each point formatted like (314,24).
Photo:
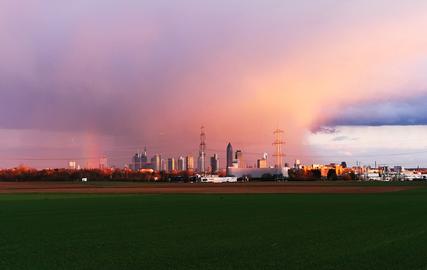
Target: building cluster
(141,162)
(341,171)
(387,173)
(101,163)
(237,166)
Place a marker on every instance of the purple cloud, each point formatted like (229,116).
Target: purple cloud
(409,111)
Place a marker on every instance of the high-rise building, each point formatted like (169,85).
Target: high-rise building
(72,165)
(156,162)
(103,163)
(163,165)
(136,162)
(201,164)
(201,161)
(139,160)
(262,163)
(229,158)
(189,163)
(144,157)
(171,165)
(214,164)
(181,164)
(240,159)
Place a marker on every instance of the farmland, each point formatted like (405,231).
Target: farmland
(375,230)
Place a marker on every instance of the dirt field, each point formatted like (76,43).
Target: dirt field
(187,188)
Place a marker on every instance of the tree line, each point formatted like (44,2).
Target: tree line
(29,174)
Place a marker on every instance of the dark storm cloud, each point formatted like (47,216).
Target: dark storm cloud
(30,108)
(111,73)
(403,112)
(115,67)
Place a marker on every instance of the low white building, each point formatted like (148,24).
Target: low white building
(411,175)
(258,172)
(374,176)
(217,179)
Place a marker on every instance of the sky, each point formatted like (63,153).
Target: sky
(345,80)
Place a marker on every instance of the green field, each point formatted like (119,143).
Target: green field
(308,231)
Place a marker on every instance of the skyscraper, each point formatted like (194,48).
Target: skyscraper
(229,157)
(72,165)
(189,162)
(240,159)
(214,164)
(137,162)
(171,165)
(144,157)
(163,165)
(103,163)
(156,162)
(201,161)
(181,164)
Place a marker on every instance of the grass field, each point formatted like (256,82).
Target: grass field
(283,231)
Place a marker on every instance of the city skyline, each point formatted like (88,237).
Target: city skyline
(84,79)
(392,152)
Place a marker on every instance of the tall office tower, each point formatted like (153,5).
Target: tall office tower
(156,163)
(103,163)
(144,158)
(181,164)
(171,165)
(278,145)
(201,162)
(72,165)
(189,163)
(137,162)
(163,165)
(229,158)
(214,164)
(240,160)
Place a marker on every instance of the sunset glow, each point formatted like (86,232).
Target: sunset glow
(110,77)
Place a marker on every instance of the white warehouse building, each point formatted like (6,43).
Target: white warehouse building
(258,172)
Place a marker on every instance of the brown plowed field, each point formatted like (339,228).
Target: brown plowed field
(186,188)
